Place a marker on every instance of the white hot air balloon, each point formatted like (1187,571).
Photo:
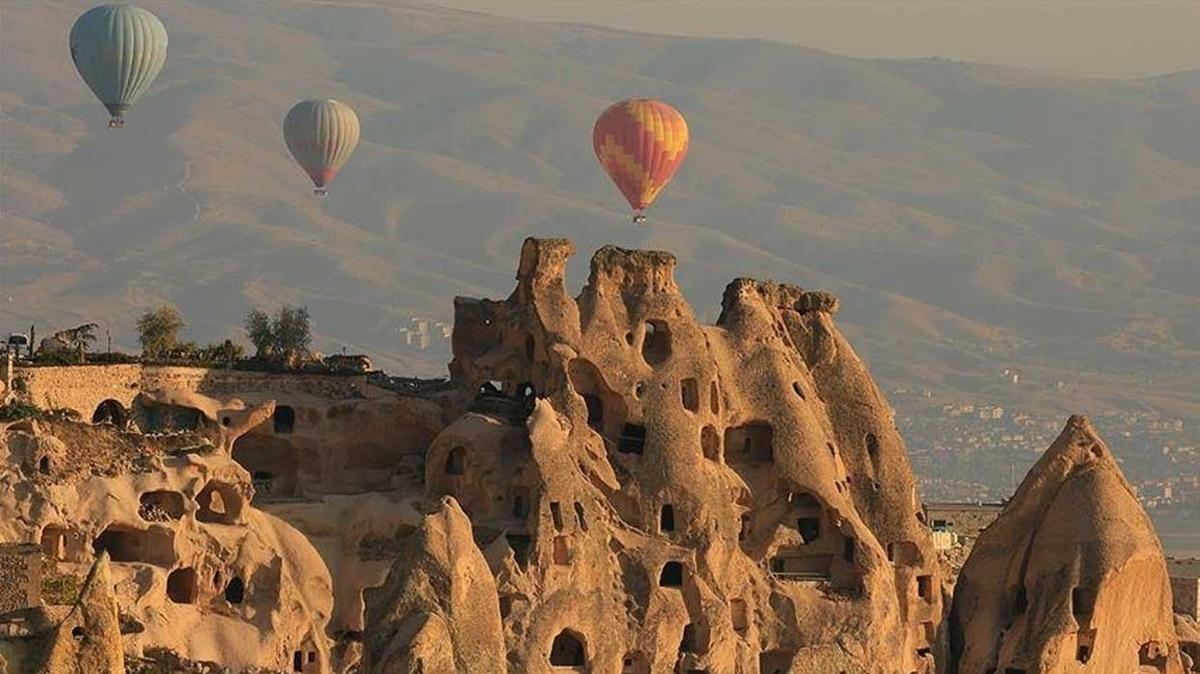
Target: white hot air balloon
(321,134)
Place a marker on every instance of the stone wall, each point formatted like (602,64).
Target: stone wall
(964,519)
(83,388)
(20,577)
(1185,586)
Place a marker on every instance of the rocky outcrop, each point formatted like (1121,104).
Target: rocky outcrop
(88,640)
(1188,630)
(1069,578)
(438,611)
(604,485)
(722,498)
(195,567)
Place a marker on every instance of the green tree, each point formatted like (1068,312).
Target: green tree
(262,335)
(82,337)
(284,338)
(79,339)
(158,331)
(293,334)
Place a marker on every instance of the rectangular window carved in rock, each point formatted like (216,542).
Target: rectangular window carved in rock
(656,344)
(666,520)
(739,615)
(632,440)
(710,443)
(689,391)
(182,586)
(809,528)
(556,515)
(284,419)
(751,443)
(456,461)
(562,551)
(925,588)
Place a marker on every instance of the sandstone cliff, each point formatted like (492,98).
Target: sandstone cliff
(604,485)
(682,497)
(88,640)
(1070,578)
(438,612)
(192,566)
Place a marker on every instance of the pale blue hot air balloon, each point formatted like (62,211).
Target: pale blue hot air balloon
(118,50)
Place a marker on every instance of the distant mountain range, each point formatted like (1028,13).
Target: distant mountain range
(971,218)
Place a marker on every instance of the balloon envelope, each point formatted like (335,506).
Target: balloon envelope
(118,50)
(641,143)
(321,134)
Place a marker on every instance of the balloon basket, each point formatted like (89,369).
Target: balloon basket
(116,123)
(320,192)
(639,219)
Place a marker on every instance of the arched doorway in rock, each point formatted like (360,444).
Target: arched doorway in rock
(235,591)
(182,586)
(456,461)
(274,463)
(283,421)
(110,412)
(568,650)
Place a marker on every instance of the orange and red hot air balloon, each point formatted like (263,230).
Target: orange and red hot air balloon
(640,143)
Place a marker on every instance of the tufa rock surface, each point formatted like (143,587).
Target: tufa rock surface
(604,486)
(1069,578)
(165,524)
(681,497)
(88,640)
(438,612)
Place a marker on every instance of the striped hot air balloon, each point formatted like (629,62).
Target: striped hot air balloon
(118,50)
(641,143)
(321,134)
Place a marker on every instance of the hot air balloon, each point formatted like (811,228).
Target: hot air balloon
(118,50)
(321,134)
(640,143)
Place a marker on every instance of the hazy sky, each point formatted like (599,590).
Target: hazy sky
(1099,37)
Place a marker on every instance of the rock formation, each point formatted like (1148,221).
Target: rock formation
(728,498)
(82,638)
(1188,630)
(195,568)
(88,640)
(604,485)
(439,611)
(1070,578)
